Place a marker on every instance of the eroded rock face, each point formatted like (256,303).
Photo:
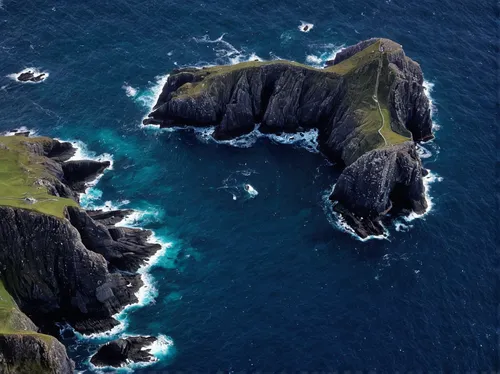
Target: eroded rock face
(381,181)
(25,353)
(122,351)
(289,97)
(368,104)
(70,269)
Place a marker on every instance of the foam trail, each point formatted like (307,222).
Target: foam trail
(319,60)
(20,129)
(428,88)
(429,179)
(129,90)
(35,71)
(150,96)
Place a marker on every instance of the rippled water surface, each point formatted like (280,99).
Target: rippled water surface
(266,282)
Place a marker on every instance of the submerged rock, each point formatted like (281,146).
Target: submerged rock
(30,76)
(122,351)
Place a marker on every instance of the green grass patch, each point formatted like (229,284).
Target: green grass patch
(20,174)
(360,71)
(7,308)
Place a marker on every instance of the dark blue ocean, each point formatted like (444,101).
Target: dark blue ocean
(269,282)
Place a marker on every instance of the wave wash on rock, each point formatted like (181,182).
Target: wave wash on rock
(368,105)
(58,262)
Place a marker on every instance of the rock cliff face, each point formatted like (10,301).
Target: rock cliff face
(370,98)
(64,264)
(381,181)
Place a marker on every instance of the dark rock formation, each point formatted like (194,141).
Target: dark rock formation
(382,180)
(78,173)
(30,353)
(370,98)
(78,269)
(29,76)
(124,248)
(119,352)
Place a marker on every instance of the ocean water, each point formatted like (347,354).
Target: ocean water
(269,281)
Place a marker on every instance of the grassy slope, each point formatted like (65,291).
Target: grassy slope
(9,317)
(360,71)
(19,171)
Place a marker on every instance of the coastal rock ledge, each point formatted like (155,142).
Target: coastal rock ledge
(368,105)
(59,263)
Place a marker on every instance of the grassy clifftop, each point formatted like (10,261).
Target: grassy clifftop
(368,76)
(21,175)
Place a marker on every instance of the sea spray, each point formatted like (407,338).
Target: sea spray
(337,221)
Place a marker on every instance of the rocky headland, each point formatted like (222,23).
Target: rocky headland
(368,105)
(58,262)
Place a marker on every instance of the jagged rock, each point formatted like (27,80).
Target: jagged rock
(57,271)
(381,181)
(29,76)
(52,275)
(33,353)
(124,248)
(119,352)
(77,173)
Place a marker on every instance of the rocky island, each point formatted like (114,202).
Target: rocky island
(368,105)
(58,262)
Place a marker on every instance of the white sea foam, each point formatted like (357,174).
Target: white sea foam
(305,26)
(338,222)
(150,96)
(328,52)
(129,90)
(148,292)
(20,129)
(428,88)
(145,295)
(251,190)
(428,180)
(225,52)
(423,152)
(35,71)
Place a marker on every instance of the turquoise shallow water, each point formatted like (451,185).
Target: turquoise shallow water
(268,283)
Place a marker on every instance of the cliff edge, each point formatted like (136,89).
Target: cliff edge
(369,98)
(58,262)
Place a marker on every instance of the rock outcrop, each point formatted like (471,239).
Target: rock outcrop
(122,351)
(369,98)
(59,262)
(30,76)
(32,353)
(381,181)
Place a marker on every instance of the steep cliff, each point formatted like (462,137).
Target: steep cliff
(371,97)
(58,262)
(22,348)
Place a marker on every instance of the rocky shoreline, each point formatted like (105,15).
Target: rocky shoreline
(78,268)
(368,105)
